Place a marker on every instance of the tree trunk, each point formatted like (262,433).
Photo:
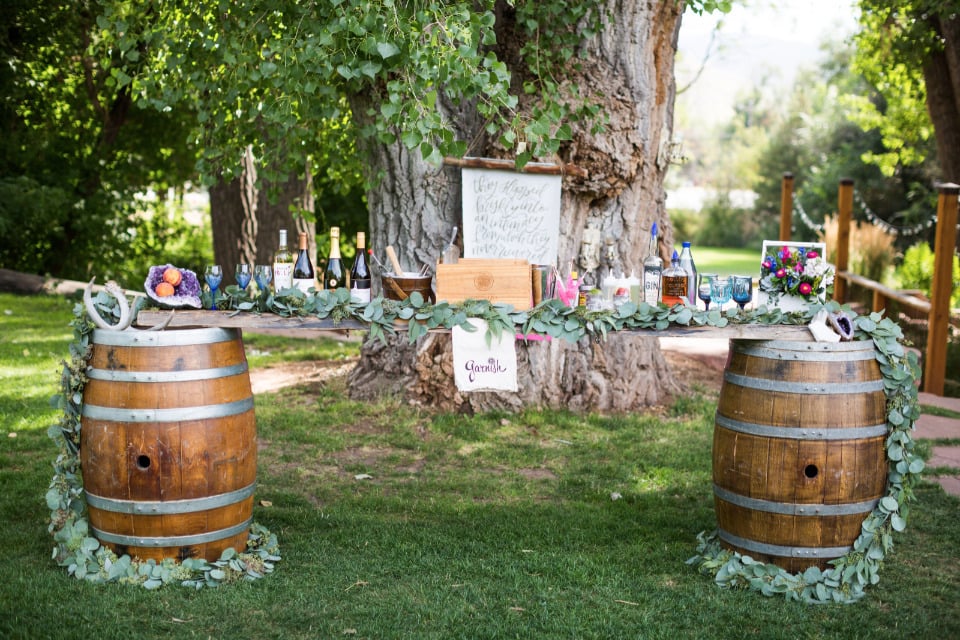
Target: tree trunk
(415,206)
(942,79)
(246,219)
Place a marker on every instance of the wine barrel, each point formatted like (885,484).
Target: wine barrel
(168,442)
(799,459)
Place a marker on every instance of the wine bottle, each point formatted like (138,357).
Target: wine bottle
(675,281)
(333,275)
(304,276)
(360,273)
(652,270)
(282,265)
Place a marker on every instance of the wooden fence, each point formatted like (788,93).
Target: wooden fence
(937,309)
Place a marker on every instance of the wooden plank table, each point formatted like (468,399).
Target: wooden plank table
(271,322)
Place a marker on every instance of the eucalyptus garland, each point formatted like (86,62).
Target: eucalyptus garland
(845,581)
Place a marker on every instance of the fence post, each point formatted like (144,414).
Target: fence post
(935,367)
(844,211)
(786,206)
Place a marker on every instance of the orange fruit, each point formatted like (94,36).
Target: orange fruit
(164,289)
(173,276)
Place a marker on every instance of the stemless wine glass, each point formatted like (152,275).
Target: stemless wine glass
(704,288)
(213,274)
(720,291)
(263,274)
(741,288)
(243,274)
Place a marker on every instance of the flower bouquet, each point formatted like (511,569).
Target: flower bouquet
(795,273)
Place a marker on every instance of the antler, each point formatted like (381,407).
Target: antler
(113,289)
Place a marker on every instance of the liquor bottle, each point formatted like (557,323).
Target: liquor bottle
(304,276)
(686,262)
(360,273)
(333,275)
(675,281)
(652,270)
(282,265)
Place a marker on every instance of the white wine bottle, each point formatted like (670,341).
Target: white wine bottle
(360,273)
(334,275)
(652,270)
(282,265)
(303,274)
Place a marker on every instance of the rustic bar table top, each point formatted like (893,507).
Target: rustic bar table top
(267,321)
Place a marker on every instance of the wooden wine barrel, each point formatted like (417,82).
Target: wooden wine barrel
(168,442)
(798,449)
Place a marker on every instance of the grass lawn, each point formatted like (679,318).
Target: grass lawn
(726,262)
(491,526)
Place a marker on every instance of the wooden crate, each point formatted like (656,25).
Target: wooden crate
(503,281)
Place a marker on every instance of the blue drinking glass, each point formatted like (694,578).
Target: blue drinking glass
(741,288)
(213,274)
(243,274)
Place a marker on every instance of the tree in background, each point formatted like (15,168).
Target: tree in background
(818,142)
(73,152)
(910,52)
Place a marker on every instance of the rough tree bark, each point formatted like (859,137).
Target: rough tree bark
(415,206)
(246,220)
(942,79)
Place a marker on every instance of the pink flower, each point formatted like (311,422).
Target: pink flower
(805,288)
(785,253)
(799,268)
(812,254)
(781,273)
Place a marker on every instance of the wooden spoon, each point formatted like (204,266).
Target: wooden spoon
(397,270)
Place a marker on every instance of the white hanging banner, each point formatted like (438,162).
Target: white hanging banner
(507,214)
(478,366)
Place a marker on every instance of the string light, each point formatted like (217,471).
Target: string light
(805,219)
(876,220)
(870,216)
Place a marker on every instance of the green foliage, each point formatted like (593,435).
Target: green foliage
(894,41)
(264,71)
(816,142)
(161,233)
(916,271)
(73,152)
(724,225)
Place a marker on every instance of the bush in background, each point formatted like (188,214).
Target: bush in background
(872,249)
(916,272)
(724,225)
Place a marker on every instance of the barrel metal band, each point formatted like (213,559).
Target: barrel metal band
(178,338)
(801,433)
(782,551)
(838,352)
(795,509)
(188,375)
(806,388)
(164,507)
(178,414)
(172,541)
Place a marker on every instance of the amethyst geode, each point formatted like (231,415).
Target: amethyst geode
(186,295)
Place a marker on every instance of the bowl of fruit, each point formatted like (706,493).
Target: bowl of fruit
(173,288)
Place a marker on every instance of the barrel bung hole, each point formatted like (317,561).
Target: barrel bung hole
(143,461)
(811,471)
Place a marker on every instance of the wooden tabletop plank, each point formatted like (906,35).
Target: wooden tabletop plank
(267,321)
